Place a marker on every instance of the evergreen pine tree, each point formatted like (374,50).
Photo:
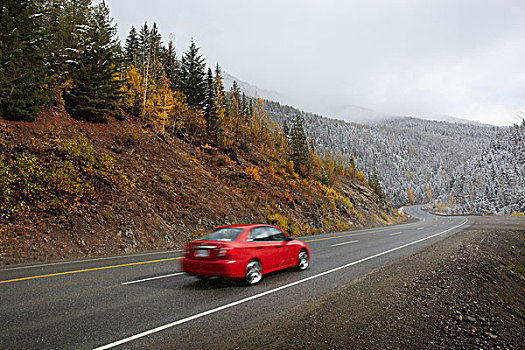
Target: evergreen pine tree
(131,48)
(236,92)
(244,107)
(156,53)
(210,107)
(64,20)
(222,104)
(96,91)
(144,49)
(235,111)
(299,146)
(373,182)
(192,75)
(218,80)
(171,65)
(21,59)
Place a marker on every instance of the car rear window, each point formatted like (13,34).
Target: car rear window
(222,234)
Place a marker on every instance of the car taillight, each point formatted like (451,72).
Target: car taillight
(225,252)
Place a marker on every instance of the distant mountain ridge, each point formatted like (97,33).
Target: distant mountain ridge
(347,112)
(352,113)
(251,90)
(455,120)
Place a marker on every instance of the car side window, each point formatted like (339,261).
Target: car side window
(276,235)
(259,234)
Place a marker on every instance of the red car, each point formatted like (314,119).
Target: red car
(244,251)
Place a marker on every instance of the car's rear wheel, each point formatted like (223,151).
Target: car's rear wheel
(253,272)
(302,260)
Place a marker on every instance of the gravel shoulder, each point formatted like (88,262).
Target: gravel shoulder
(458,293)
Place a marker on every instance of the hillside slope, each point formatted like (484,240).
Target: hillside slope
(81,189)
(407,153)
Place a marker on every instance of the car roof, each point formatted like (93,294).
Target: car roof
(244,226)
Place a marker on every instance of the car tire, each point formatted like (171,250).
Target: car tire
(303,260)
(253,272)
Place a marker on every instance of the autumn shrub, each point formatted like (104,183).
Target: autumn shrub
(77,151)
(27,185)
(166,179)
(295,231)
(55,178)
(361,177)
(280,221)
(253,174)
(271,169)
(347,203)
(128,135)
(125,185)
(334,196)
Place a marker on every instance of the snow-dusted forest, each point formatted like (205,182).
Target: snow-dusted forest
(481,166)
(493,181)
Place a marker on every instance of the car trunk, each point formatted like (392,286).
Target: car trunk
(204,250)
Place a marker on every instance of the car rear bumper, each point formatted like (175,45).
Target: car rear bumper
(224,268)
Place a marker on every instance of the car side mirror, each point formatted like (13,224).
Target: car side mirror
(290,238)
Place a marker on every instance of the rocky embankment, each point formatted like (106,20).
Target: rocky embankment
(71,189)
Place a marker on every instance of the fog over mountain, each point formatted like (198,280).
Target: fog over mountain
(348,113)
(434,57)
(252,90)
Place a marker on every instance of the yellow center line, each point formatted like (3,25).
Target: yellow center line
(162,260)
(87,270)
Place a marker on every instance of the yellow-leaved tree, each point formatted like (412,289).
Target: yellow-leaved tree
(163,105)
(429,192)
(131,91)
(410,196)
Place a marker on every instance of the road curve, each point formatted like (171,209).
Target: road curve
(143,301)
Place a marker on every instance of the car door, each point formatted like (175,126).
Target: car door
(285,252)
(264,248)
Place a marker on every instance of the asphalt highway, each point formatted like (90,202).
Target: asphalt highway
(144,301)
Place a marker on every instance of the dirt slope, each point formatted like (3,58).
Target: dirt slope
(179,189)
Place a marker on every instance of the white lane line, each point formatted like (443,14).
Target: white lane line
(357,232)
(154,278)
(87,260)
(335,245)
(395,233)
(257,296)
(420,228)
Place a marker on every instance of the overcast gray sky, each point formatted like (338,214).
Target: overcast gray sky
(427,57)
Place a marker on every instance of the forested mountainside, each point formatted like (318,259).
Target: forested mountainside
(108,149)
(493,181)
(415,160)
